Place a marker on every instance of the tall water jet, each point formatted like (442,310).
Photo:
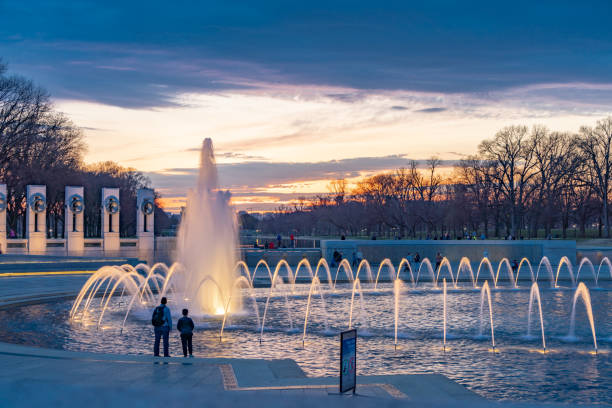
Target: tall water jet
(582,292)
(535,294)
(444,312)
(207,242)
(486,291)
(397,287)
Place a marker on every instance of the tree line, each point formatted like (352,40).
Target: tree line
(39,145)
(521,183)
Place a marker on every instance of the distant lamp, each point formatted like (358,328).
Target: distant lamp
(147,207)
(38,203)
(112,204)
(75,203)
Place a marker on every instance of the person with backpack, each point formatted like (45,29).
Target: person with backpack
(162,324)
(185,326)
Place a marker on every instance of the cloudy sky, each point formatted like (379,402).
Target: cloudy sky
(296,93)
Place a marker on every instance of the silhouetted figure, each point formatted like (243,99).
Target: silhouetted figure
(417,258)
(515,265)
(337,258)
(162,322)
(185,326)
(359,257)
(438,260)
(410,259)
(342,237)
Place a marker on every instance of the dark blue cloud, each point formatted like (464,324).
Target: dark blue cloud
(431,110)
(143,53)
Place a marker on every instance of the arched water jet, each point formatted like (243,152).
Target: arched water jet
(535,294)
(583,293)
(139,296)
(405,262)
(505,262)
(348,271)
(175,270)
(357,287)
(221,299)
(586,261)
(385,262)
(546,262)
(263,322)
(429,268)
(565,261)
(487,262)
(243,269)
(323,263)
(260,263)
(608,263)
(290,277)
(366,264)
(518,271)
(449,268)
(464,264)
(486,291)
(313,288)
(240,283)
(133,287)
(89,285)
(303,263)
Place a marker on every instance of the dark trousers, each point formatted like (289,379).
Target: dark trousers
(186,342)
(159,332)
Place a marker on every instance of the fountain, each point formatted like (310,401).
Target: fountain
(583,293)
(444,313)
(283,305)
(486,291)
(535,294)
(207,243)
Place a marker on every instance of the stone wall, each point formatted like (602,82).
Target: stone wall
(377,250)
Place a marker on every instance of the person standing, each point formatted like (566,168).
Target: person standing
(162,322)
(438,260)
(185,326)
(410,259)
(292,238)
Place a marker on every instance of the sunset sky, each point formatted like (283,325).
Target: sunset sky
(296,94)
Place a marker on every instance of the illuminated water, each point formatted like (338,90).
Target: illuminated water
(207,243)
(569,371)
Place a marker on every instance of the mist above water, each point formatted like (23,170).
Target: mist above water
(207,242)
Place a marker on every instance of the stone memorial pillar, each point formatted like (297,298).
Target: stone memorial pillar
(74,230)
(110,219)
(3,201)
(36,219)
(145,219)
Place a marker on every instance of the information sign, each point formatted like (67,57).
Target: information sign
(348,361)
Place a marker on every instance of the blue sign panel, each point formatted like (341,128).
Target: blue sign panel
(348,361)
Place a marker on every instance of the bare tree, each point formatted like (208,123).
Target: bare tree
(511,152)
(596,145)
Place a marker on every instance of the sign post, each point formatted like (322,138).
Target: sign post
(348,361)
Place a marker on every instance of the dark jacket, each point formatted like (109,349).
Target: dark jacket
(185,325)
